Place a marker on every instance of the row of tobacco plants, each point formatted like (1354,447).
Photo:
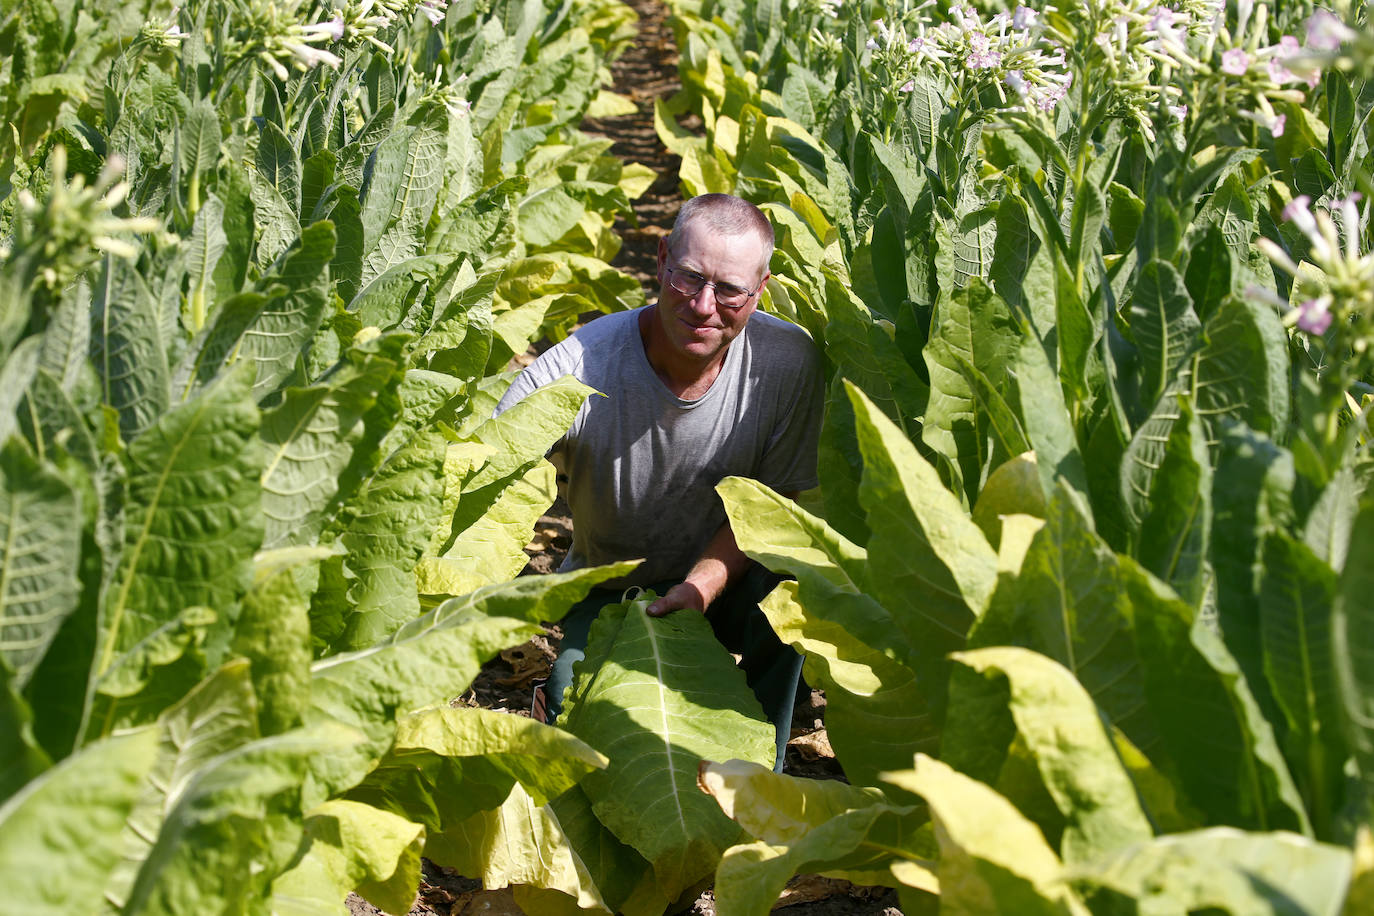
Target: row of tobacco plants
(1089,584)
(264,264)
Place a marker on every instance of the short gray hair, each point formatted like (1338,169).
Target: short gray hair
(726,214)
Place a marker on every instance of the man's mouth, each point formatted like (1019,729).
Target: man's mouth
(698,330)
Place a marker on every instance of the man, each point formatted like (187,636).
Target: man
(698,388)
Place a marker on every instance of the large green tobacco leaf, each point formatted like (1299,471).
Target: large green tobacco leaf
(1163,325)
(129,346)
(782,536)
(1252,494)
(469,759)
(311,438)
(192,521)
(1223,870)
(840,465)
(276,161)
(17,376)
(931,567)
(1048,424)
(1295,597)
(1067,603)
(1169,685)
(385,300)
(1225,752)
(200,138)
(1072,749)
(879,713)
(60,836)
(853,645)
(664,696)
(1022,270)
(235,825)
(273,633)
(972,326)
(559,852)
(41,521)
(205,247)
(215,717)
(489,550)
(1352,643)
(805,825)
(21,757)
(269,329)
(864,352)
(1174,537)
(524,433)
(991,858)
(1240,373)
(386,529)
(431,660)
(1329,523)
(273,217)
(404,177)
(351,846)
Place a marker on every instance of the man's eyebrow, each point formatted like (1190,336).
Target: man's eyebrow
(685,268)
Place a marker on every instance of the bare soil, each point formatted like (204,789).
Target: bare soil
(648,70)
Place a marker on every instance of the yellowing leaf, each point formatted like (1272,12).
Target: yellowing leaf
(607,104)
(992,860)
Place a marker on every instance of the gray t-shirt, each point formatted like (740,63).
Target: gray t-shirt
(643,464)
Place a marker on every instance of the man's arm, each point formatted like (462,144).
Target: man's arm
(721,563)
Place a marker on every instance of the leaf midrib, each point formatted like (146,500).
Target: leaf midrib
(663,717)
(138,544)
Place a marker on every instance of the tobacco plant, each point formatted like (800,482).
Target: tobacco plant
(1091,534)
(264,264)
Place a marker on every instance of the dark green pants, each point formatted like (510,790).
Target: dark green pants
(772,669)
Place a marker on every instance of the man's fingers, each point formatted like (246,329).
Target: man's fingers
(676,598)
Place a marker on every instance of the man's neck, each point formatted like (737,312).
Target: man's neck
(685,378)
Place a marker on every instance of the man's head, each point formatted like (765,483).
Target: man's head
(723,214)
(710,271)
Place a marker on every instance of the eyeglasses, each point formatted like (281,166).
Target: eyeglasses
(728,295)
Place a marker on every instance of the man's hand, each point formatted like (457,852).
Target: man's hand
(682,595)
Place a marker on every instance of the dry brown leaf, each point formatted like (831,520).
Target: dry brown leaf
(814,745)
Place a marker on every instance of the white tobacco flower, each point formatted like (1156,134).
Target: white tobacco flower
(331,30)
(434,11)
(1024,18)
(1180,112)
(306,56)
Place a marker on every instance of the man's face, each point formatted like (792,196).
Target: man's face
(697,326)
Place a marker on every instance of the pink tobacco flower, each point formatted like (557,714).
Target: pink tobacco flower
(1235,62)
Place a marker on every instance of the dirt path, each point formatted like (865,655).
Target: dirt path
(647,71)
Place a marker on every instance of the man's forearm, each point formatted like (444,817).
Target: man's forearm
(721,563)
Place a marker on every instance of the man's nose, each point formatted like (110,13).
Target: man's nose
(699,303)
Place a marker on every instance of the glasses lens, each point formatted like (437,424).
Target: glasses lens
(731,296)
(686,282)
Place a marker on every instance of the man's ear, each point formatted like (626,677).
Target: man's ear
(662,255)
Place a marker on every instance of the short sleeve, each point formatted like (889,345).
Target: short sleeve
(789,460)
